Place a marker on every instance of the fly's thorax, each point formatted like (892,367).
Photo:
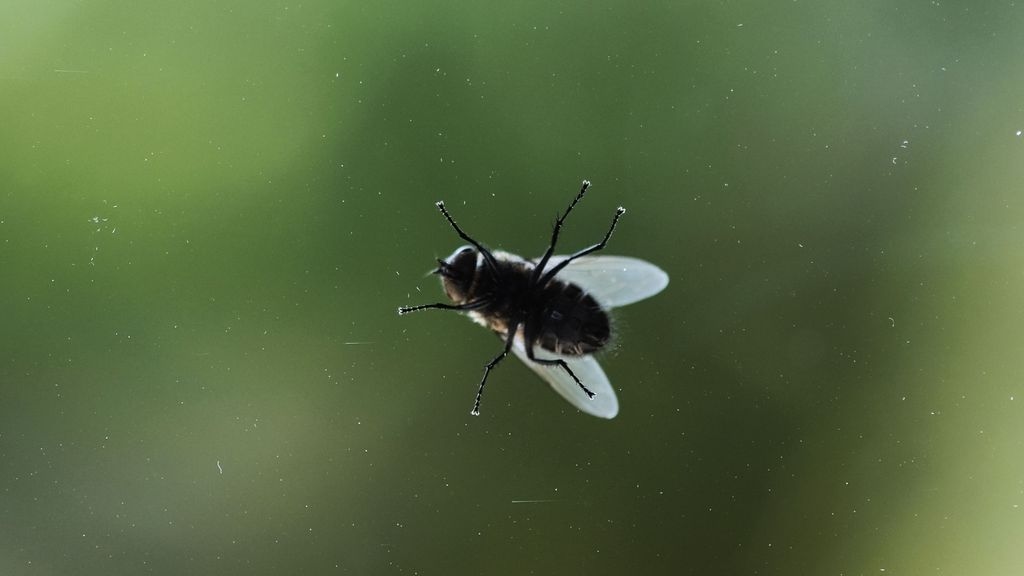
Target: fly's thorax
(499,288)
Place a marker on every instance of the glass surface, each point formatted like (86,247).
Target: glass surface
(210,211)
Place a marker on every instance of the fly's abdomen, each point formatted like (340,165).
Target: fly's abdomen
(572,323)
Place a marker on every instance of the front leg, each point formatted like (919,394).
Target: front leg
(440,306)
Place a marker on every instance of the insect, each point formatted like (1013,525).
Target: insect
(551,312)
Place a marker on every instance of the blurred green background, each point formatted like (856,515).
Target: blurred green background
(209,212)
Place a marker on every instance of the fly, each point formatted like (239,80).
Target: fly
(553,313)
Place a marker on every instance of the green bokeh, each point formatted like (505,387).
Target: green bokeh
(209,212)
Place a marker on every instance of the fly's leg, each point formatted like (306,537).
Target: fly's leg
(494,362)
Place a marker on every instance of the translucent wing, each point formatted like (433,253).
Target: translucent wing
(604,404)
(613,280)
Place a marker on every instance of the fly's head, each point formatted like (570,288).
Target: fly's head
(458,273)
